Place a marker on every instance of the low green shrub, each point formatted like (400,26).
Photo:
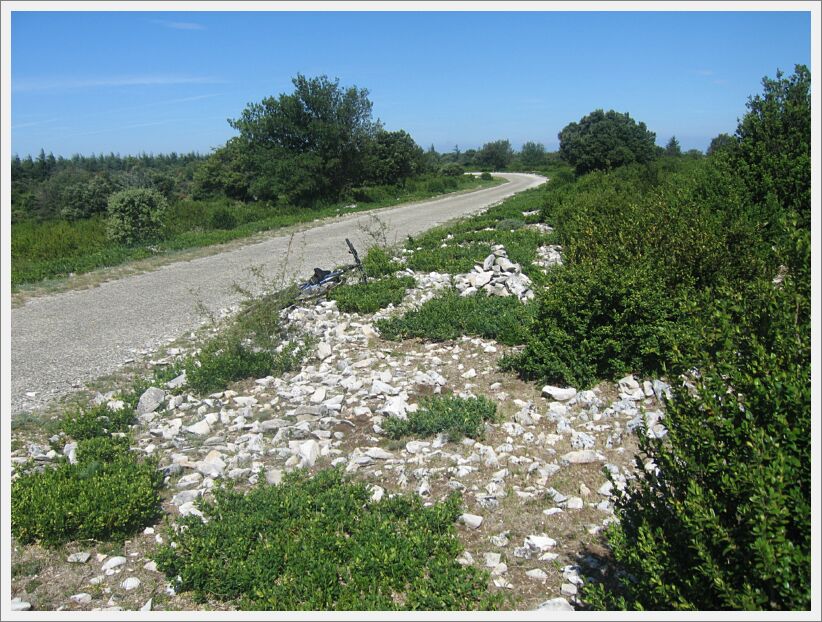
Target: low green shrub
(452,169)
(224,360)
(436,185)
(321,543)
(485,175)
(450,258)
(372,296)
(725,521)
(96,421)
(600,321)
(455,416)
(221,218)
(108,494)
(135,215)
(449,316)
(377,262)
(510,224)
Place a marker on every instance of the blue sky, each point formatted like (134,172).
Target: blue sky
(128,82)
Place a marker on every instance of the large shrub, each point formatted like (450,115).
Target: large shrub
(321,543)
(108,494)
(724,520)
(135,215)
(604,141)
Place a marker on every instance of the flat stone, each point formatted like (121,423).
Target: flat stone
(132,583)
(81,599)
(574,503)
(378,453)
(569,589)
(308,453)
(201,428)
(318,396)
(555,604)
(560,394)
(540,542)
(176,382)
(114,562)
(491,559)
(471,520)
(537,574)
(150,400)
(78,558)
(323,350)
(18,604)
(584,456)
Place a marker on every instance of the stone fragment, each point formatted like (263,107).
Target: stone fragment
(78,558)
(471,520)
(132,583)
(555,604)
(81,599)
(560,394)
(114,562)
(150,400)
(537,574)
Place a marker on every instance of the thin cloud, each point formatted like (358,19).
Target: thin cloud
(52,84)
(32,124)
(128,126)
(179,25)
(704,72)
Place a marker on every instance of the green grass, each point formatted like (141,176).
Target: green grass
(449,315)
(372,296)
(321,543)
(56,248)
(96,421)
(455,416)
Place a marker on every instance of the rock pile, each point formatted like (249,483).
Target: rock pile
(549,256)
(496,276)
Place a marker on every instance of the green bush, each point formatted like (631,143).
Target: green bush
(227,359)
(436,185)
(320,543)
(510,224)
(377,262)
(108,494)
(485,175)
(455,416)
(221,218)
(96,421)
(597,321)
(725,522)
(449,316)
(452,169)
(135,215)
(372,296)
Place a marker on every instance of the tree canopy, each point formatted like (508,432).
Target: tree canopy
(497,154)
(604,141)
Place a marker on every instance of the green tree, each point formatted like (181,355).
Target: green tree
(394,157)
(774,144)
(672,149)
(496,155)
(604,141)
(720,142)
(532,154)
(225,171)
(308,145)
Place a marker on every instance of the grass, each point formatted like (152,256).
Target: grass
(96,421)
(455,416)
(449,316)
(57,248)
(320,543)
(372,296)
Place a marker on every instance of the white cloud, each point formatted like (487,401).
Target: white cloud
(51,84)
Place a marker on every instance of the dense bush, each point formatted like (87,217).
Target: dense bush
(371,296)
(452,415)
(449,316)
(597,321)
(452,169)
(605,140)
(724,521)
(96,421)
(108,494)
(135,215)
(320,543)
(221,218)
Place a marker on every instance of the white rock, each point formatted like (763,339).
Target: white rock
(132,583)
(471,520)
(491,559)
(539,542)
(584,456)
(560,394)
(471,373)
(378,387)
(555,604)
(147,606)
(308,453)
(537,574)
(274,476)
(114,562)
(569,589)
(574,503)
(18,604)
(78,558)
(201,428)
(323,350)
(150,400)
(318,396)
(81,599)
(378,453)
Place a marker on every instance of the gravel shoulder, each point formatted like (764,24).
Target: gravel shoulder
(60,342)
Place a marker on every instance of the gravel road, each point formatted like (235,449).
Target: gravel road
(60,342)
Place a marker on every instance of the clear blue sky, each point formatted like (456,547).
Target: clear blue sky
(128,82)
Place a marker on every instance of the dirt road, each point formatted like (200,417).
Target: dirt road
(60,342)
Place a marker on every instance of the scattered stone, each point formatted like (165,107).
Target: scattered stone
(114,562)
(274,476)
(132,583)
(537,574)
(201,428)
(323,350)
(471,520)
(569,589)
(81,599)
(555,604)
(492,559)
(574,503)
(150,400)
(560,394)
(147,606)
(78,558)
(584,456)
(18,604)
